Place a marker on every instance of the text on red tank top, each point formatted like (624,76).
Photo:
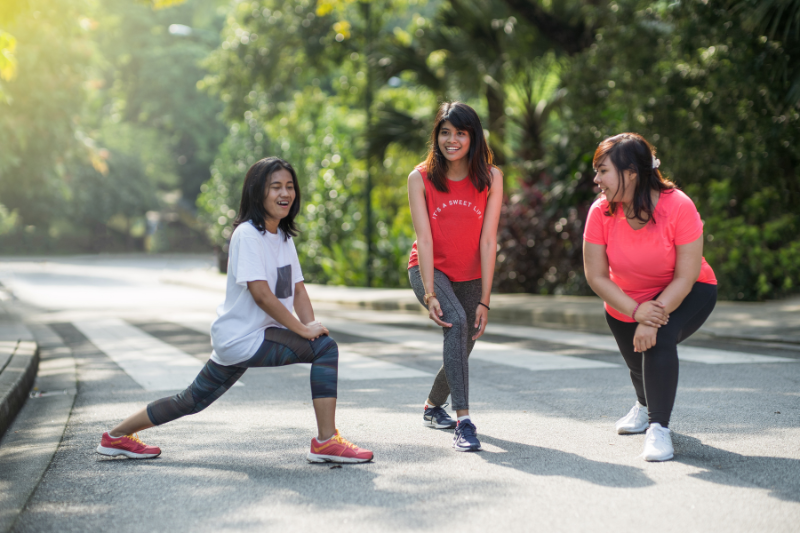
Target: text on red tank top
(465,203)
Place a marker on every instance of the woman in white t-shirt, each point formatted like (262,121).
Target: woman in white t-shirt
(255,326)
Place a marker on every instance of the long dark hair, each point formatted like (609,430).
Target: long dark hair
(462,117)
(258,178)
(631,151)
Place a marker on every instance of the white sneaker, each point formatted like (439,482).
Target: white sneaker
(635,421)
(657,444)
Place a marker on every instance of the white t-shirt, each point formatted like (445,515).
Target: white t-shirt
(238,331)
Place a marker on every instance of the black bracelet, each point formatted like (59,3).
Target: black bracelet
(486,306)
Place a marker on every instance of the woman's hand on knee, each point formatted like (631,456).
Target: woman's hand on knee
(435,312)
(481,319)
(651,314)
(314,330)
(644,338)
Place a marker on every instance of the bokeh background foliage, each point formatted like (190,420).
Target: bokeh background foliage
(129,125)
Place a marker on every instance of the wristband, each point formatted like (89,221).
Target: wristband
(428,296)
(486,306)
(633,315)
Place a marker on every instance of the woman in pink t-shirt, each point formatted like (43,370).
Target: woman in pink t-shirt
(643,255)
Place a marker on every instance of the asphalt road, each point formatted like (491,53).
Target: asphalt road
(545,412)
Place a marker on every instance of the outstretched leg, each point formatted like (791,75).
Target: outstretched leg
(211,383)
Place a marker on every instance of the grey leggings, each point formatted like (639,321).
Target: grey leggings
(458,300)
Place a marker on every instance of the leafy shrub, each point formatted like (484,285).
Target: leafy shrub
(539,244)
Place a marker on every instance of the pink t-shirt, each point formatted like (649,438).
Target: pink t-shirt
(642,262)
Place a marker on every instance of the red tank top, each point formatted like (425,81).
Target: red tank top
(456,219)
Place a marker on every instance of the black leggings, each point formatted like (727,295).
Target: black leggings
(654,373)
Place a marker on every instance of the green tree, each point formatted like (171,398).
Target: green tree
(39,117)
(696,80)
(104,97)
(294,78)
(148,79)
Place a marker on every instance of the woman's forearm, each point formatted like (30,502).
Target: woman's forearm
(672,297)
(302,304)
(613,295)
(425,257)
(687,269)
(488,258)
(271,305)
(274,308)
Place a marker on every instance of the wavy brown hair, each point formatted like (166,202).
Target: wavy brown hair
(464,118)
(631,151)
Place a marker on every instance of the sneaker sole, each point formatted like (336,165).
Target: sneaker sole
(631,431)
(467,449)
(658,459)
(315,458)
(113,452)
(432,424)
(470,449)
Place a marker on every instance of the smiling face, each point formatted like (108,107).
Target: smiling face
(609,180)
(453,143)
(279,196)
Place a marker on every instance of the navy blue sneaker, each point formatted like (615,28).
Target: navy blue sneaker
(437,417)
(466,437)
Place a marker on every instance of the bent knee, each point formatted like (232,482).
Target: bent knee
(460,323)
(325,346)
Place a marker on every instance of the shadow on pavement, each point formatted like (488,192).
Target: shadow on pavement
(540,461)
(779,475)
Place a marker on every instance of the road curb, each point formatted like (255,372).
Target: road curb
(29,445)
(16,380)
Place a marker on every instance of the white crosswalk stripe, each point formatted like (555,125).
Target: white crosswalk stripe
(352,366)
(431,341)
(606,343)
(709,356)
(152,363)
(356,367)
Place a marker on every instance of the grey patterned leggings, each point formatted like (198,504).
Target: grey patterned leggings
(458,300)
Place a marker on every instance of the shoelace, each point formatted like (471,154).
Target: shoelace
(135,437)
(467,429)
(341,440)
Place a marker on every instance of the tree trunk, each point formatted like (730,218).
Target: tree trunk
(496,103)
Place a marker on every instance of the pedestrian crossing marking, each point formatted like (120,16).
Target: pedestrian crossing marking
(710,356)
(355,367)
(695,354)
(150,362)
(352,366)
(431,342)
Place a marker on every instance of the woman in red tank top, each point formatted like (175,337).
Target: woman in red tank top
(455,198)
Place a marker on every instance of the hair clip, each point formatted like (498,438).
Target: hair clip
(656,162)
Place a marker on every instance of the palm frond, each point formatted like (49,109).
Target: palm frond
(395,126)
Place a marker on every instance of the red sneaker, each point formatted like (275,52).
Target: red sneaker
(129,446)
(337,450)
